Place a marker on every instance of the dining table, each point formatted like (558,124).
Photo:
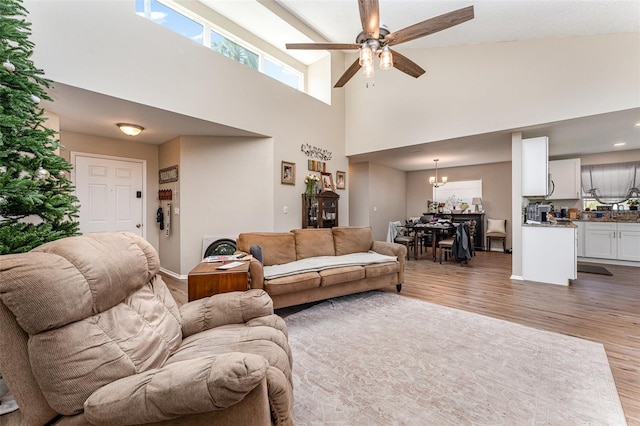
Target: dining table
(438,231)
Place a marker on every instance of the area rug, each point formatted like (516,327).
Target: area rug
(379,358)
(593,269)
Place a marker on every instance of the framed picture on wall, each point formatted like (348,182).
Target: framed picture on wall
(327,182)
(341,180)
(288,173)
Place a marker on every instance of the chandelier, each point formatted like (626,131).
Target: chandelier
(433,180)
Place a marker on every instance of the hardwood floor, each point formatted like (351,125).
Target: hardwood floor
(604,309)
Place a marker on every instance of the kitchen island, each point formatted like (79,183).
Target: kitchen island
(549,252)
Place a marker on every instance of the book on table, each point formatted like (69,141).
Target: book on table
(227,258)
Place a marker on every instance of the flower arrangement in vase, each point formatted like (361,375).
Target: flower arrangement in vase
(311,182)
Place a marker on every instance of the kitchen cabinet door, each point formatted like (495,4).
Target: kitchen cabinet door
(600,240)
(564,179)
(535,173)
(628,242)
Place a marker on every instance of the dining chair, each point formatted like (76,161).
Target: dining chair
(497,230)
(400,235)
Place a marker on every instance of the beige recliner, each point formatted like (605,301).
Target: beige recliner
(90,334)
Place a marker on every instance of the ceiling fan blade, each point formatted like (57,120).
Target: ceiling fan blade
(370,17)
(406,65)
(323,46)
(350,72)
(430,26)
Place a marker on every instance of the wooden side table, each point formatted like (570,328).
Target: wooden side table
(206,280)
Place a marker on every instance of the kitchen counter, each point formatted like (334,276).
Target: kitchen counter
(559,224)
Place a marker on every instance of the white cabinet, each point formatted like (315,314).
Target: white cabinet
(535,173)
(549,254)
(564,179)
(620,241)
(628,241)
(600,240)
(580,238)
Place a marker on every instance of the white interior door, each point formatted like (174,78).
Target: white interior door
(110,194)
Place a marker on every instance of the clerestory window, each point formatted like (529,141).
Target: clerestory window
(196,28)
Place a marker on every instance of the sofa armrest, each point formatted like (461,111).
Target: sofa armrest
(256,274)
(392,249)
(181,388)
(236,307)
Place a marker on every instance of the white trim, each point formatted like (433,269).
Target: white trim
(516,277)
(609,261)
(173,274)
(145,192)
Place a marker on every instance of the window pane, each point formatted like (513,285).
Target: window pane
(281,73)
(233,50)
(172,20)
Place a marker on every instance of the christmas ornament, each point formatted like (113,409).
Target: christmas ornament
(9,66)
(62,174)
(42,173)
(3,169)
(35,99)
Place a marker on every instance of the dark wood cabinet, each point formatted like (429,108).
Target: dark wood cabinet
(206,279)
(320,210)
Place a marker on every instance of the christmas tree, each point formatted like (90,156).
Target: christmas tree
(37,204)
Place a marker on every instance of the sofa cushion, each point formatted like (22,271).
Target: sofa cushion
(341,275)
(277,247)
(352,240)
(292,283)
(378,269)
(314,242)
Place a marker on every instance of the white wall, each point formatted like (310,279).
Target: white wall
(381,197)
(103,46)
(228,174)
(477,89)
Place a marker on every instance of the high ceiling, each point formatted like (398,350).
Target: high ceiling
(338,21)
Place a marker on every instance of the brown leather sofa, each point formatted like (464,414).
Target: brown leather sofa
(282,248)
(90,334)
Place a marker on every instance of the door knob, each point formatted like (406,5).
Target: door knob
(138,225)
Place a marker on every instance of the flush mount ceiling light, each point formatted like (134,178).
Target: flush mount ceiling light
(130,129)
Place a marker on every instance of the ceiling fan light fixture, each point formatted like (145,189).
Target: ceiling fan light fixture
(366,55)
(368,70)
(130,129)
(386,59)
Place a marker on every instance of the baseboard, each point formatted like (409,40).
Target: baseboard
(173,274)
(609,261)
(516,277)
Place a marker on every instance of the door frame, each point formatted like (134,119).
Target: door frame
(74,154)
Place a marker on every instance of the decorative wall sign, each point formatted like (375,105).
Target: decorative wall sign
(315,152)
(316,166)
(169,174)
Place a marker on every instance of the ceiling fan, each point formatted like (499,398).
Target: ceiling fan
(376,41)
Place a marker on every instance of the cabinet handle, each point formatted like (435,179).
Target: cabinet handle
(614,235)
(620,234)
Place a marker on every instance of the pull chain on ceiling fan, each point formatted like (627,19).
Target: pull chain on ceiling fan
(376,41)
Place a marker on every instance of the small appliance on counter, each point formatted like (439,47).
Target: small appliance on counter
(537,213)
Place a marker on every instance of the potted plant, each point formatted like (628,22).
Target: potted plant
(633,204)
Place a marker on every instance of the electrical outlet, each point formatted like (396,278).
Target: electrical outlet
(285,210)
